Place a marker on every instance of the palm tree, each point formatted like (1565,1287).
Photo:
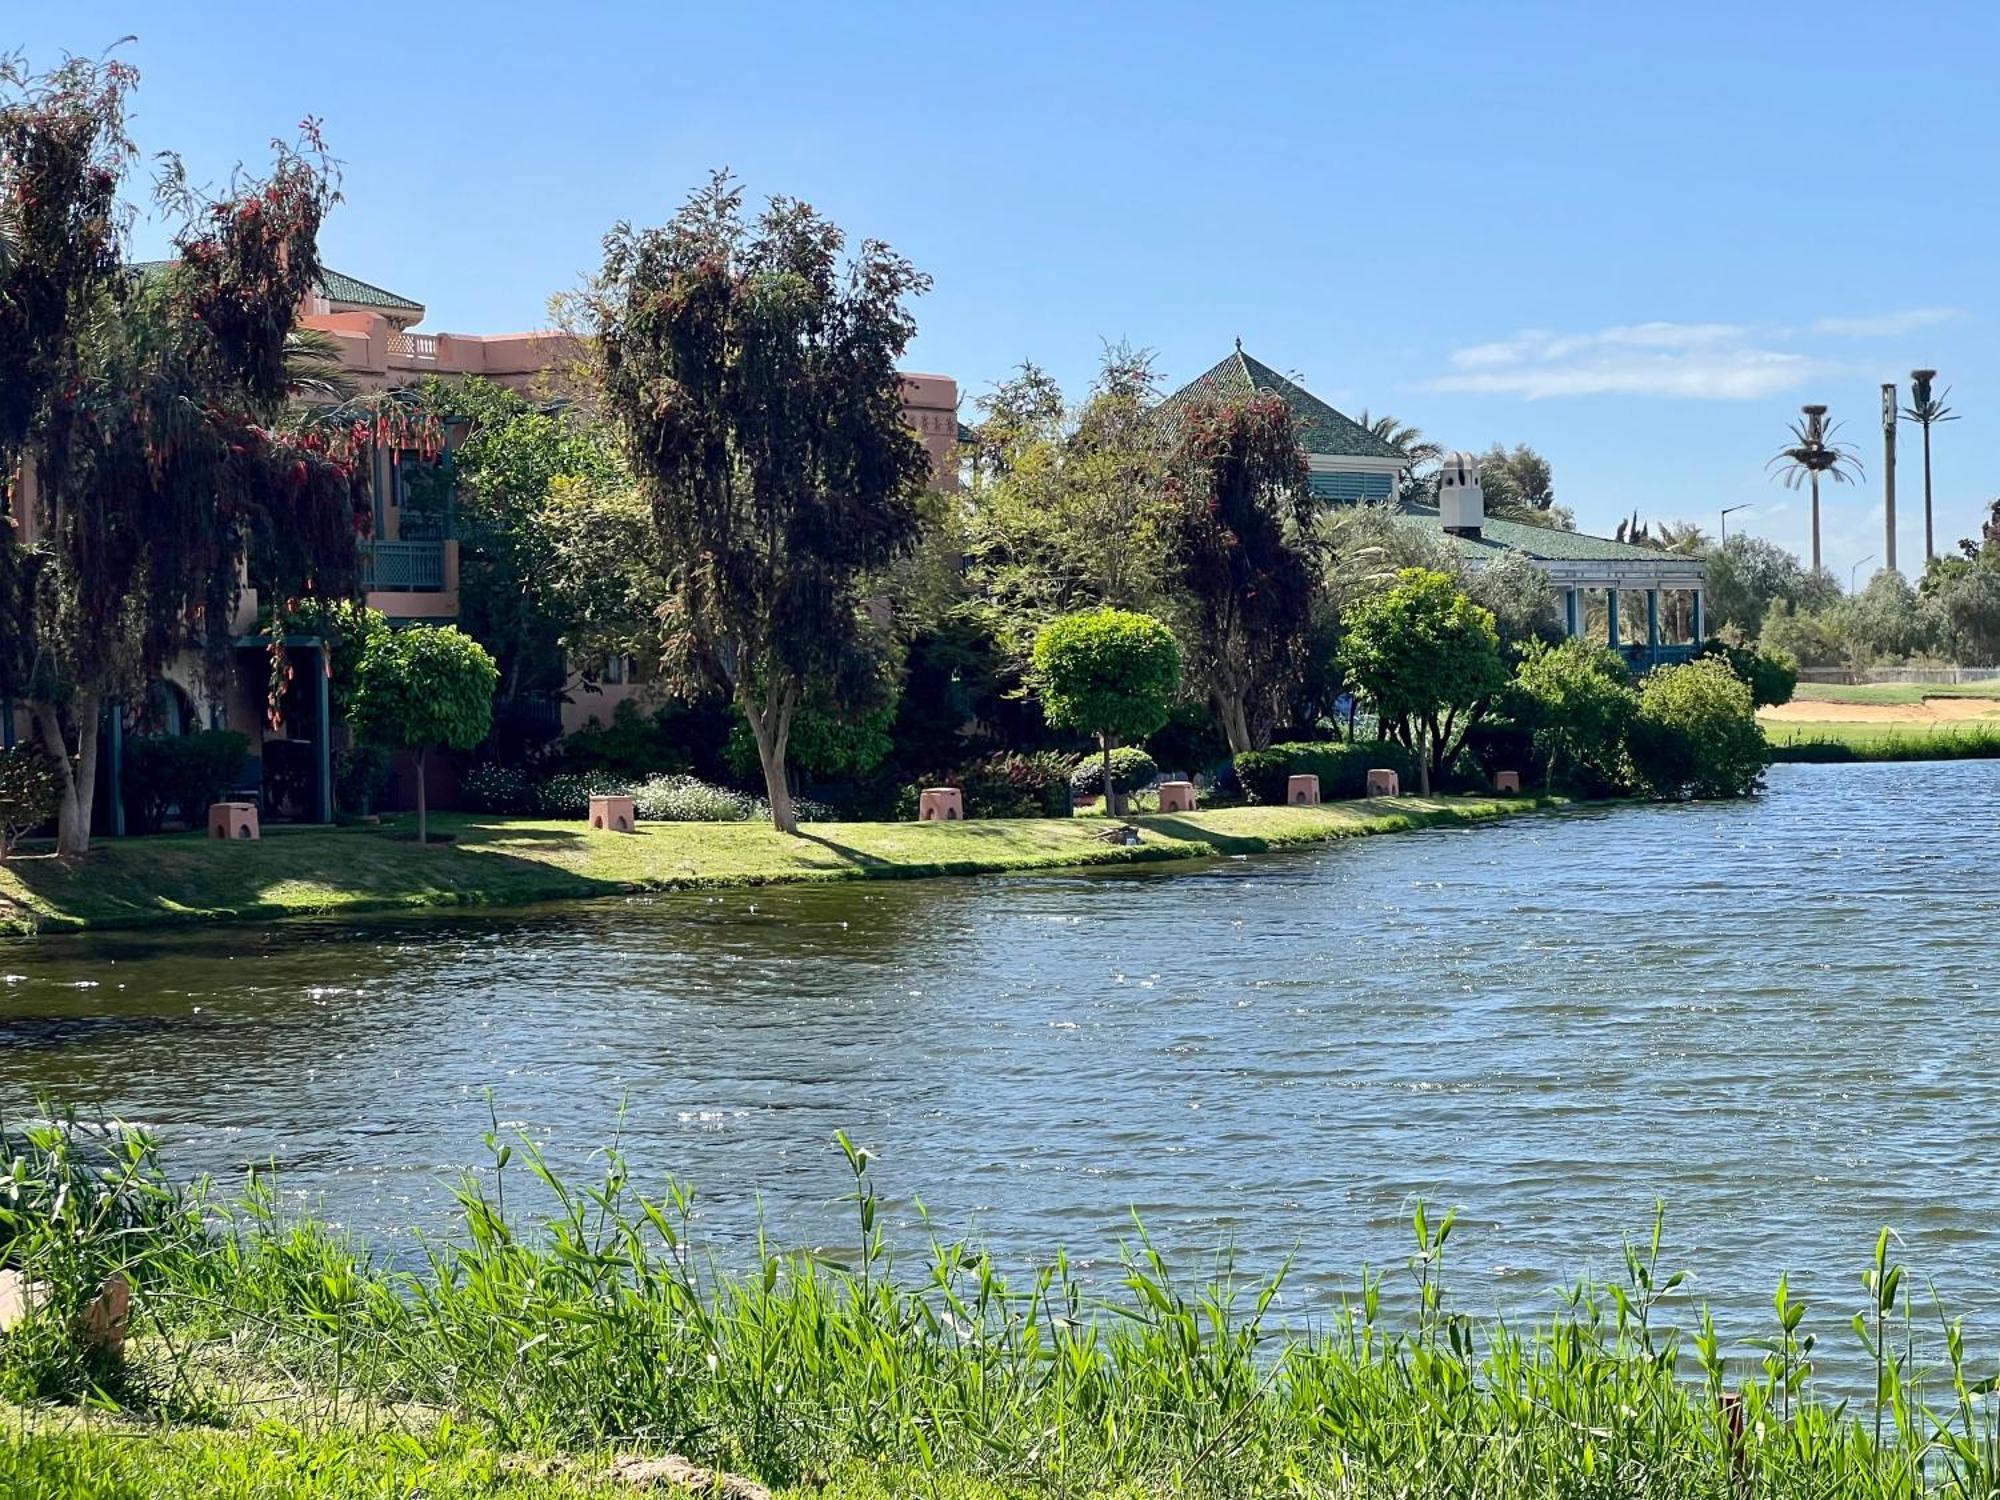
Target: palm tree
(1416,447)
(1925,408)
(314,375)
(1814,451)
(1686,538)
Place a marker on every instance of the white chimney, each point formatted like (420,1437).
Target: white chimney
(1461,503)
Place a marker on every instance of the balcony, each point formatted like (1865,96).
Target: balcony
(404,567)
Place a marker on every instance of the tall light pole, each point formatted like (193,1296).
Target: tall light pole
(1888,475)
(1725,517)
(1853,571)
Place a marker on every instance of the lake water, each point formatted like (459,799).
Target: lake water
(1782,1017)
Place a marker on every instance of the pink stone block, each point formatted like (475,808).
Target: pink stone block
(941,804)
(233,820)
(1506,781)
(1384,784)
(1176,796)
(1302,791)
(614,814)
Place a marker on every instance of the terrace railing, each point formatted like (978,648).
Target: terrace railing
(403,567)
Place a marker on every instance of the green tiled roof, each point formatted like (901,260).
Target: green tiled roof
(1543,543)
(333,286)
(1321,428)
(338,288)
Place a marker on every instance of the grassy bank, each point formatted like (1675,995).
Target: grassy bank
(1832,740)
(513,861)
(568,1326)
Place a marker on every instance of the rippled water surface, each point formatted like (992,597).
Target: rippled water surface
(1781,1017)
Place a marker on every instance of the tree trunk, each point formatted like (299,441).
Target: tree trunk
(1235,721)
(1110,791)
(771,727)
(78,773)
(423,807)
(1421,733)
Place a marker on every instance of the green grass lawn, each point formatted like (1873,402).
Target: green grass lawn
(1800,739)
(512,861)
(1891,693)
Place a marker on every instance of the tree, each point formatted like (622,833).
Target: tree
(1068,510)
(423,688)
(1697,734)
(143,415)
(1746,574)
(1927,409)
(753,383)
(1884,620)
(1520,486)
(1241,552)
(30,794)
(1813,451)
(1577,699)
(1429,659)
(1962,610)
(1522,597)
(1110,674)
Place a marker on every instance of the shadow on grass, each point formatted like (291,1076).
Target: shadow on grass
(1167,825)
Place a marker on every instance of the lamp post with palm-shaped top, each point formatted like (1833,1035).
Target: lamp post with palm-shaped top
(1926,408)
(1814,451)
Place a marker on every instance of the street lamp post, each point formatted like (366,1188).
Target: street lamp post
(1854,571)
(1725,517)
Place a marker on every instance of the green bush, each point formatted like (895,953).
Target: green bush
(1696,734)
(184,773)
(1131,768)
(1772,675)
(1578,700)
(497,789)
(1031,785)
(567,794)
(1342,767)
(360,776)
(30,793)
(632,744)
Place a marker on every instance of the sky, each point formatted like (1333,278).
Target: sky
(1635,238)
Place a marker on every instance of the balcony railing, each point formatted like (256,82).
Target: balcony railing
(418,346)
(402,567)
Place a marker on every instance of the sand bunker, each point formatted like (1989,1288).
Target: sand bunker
(1930,711)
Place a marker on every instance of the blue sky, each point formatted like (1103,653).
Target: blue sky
(1636,238)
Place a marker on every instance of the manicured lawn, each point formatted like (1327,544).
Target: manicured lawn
(1891,693)
(1807,739)
(513,861)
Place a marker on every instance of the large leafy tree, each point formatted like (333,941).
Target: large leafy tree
(1429,659)
(752,375)
(1241,551)
(1747,574)
(140,416)
(1110,674)
(1519,485)
(1068,509)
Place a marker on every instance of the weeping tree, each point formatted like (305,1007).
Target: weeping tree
(751,371)
(139,417)
(1814,450)
(1243,555)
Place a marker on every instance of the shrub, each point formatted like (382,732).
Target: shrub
(1342,767)
(360,774)
(1131,768)
(1696,734)
(688,799)
(1108,673)
(1772,674)
(498,789)
(165,773)
(632,744)
(30,793)
(1007,785)
(567,794)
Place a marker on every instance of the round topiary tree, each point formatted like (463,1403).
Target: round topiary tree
(420,688)
(1108,673)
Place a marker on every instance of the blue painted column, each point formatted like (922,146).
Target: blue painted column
(1653,619)
(1611,615)
(1569,614)
(1695,616)
(325,737)
(117,785)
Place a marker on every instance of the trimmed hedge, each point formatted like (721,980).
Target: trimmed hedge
(1131,769)
(1342,767)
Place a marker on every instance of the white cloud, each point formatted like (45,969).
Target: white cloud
(1888,324)
(1703,361)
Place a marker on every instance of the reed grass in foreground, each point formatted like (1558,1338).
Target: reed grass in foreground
(596,1326)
